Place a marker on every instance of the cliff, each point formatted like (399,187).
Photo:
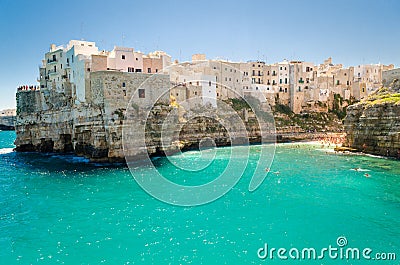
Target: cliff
(373,125)
(52,120)
(7,123)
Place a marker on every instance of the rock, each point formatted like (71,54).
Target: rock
(373,125)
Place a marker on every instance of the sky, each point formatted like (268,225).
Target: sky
(352,32)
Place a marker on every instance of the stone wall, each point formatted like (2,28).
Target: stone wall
(389,76)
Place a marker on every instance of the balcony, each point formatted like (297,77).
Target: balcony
(49,61)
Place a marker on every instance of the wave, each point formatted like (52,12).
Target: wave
(360,169)
(6,151)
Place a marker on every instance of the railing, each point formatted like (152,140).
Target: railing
(51,61)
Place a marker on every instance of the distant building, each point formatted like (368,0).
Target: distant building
(300,85)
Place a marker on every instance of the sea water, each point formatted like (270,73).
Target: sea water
(65,210)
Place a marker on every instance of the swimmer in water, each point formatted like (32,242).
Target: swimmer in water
(367,175)
(267,169)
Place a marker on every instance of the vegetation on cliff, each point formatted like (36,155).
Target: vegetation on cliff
(384,95)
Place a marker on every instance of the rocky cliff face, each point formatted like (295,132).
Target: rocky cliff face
(373,125)
(50,121)
(7,123)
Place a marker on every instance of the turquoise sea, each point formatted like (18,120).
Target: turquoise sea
(64,210)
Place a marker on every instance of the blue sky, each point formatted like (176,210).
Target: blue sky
(352,32)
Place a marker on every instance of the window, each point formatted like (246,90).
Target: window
(61,66)
(88,69)
(131,69)
(67,61)
(347,82)
(230,79)
(195,92)
(226,79)
(72,59)
(138,70)
(123,57)
(280,68)
(149,70)
(156,70)
(209,83)
(137,59)
(124,91)
(285,80)
(142,93)
(82,44)
(54,57)
(280,81)
(337,82)
(123,84)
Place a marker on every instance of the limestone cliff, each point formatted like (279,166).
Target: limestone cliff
(51,121)
(7,123)
(373,125)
